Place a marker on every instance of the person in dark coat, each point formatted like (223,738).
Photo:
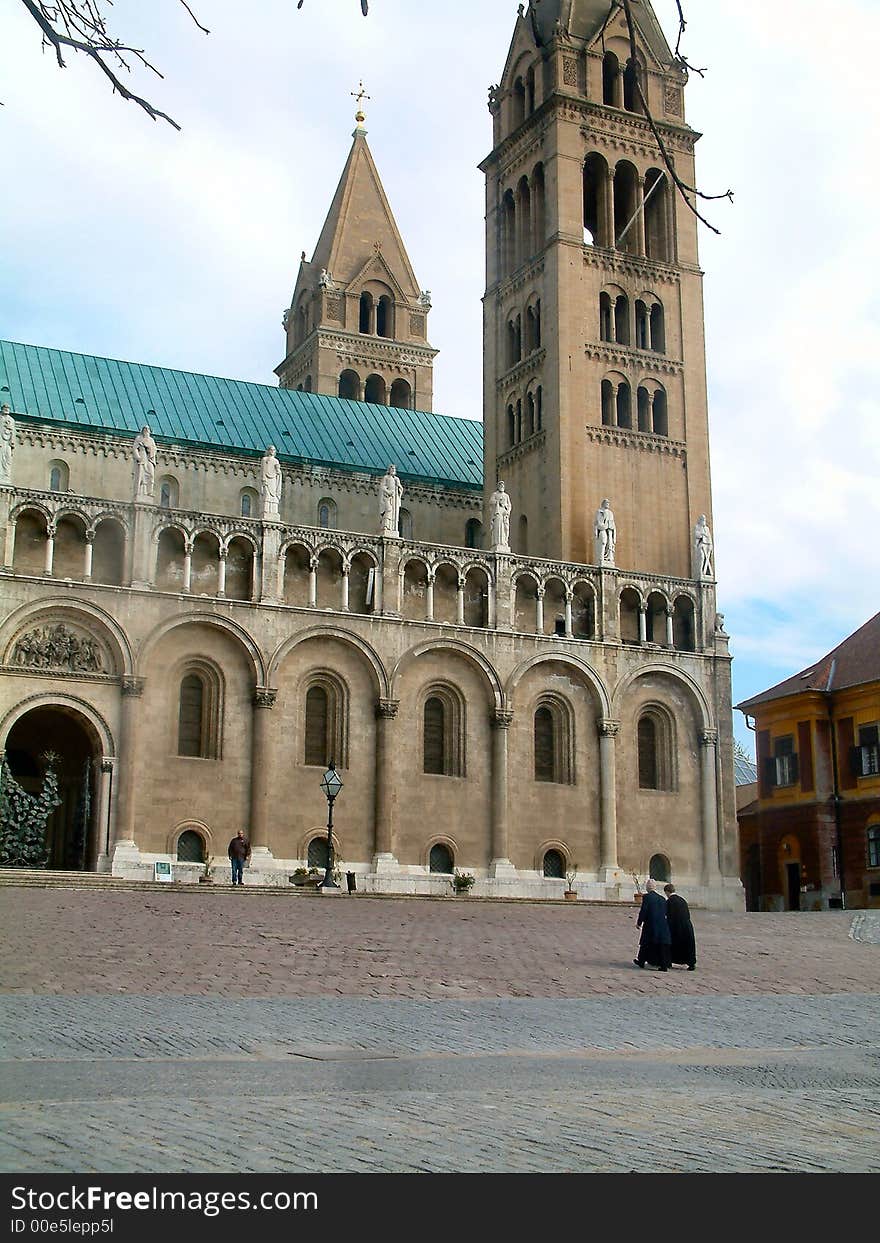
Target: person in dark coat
(239,852)
(678,916)
(656,942)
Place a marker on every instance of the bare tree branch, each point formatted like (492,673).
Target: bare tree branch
(81,26)
(683,188)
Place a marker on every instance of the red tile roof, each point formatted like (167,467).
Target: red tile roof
(854,661)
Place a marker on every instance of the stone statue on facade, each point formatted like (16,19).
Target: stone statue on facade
(499,520)
(145,457)
(325,280)
(7,444)
(390,497)
(606,534)
(702,548)
(270,483)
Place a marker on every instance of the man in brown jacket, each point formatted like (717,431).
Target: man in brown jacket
(239,851)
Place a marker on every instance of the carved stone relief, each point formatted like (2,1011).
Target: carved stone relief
(58,647)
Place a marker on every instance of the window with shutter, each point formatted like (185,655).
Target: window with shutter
(647,737)
(435,736)
(874,846)
(545,750)
(190,720)
(317,714)
(869,749)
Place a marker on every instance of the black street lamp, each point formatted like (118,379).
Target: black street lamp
(331,784)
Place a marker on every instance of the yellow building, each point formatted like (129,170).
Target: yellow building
(814,829)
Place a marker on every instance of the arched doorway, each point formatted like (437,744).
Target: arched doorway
(72,829)
(790,871)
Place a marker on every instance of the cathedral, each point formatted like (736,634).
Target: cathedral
(504,636)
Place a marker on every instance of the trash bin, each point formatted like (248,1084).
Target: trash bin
(351,880)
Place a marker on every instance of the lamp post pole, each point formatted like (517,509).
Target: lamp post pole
(331,784)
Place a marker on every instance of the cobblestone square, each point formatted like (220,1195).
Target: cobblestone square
(149,1031)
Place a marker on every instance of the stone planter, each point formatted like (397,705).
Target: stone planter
(570,895)
(206,880)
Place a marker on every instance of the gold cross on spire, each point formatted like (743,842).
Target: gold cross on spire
(360,95)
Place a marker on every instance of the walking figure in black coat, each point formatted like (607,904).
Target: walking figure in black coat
(678,915)
(656,942)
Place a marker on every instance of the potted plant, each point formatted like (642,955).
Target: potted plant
(306,877)
(637,896)
(207,875)
(462,881)
(570,877)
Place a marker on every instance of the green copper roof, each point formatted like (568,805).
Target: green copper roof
(237,416)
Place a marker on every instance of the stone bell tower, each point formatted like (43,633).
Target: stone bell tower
(357,325)
(593,315)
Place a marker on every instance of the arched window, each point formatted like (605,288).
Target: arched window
(643,403)
(406,524)
(518,109)
(350,385)
(530,414)
(401,395)
(659,414)
(318,743)
(642,333)
(657,239)
(317,854)
(325,715)
(608,408)
(365,320)
(606,317)
(648,772)
(440,860)
(545,745)
(168,492)
(658,329)
(552,741)
(511,426)
(530,91)
(375,391)
(523,536)
(59,477)
(307,384)
(435,736)
(473,533)
(683,626)
(443,733)
(659,869)
(610,72)
(624,405)
(190,847)
(248,503)
(508,233)
(385,317)
(655,735)
(327,514)
(621,320)
(198,714)
(554,865)
(597,226)
(631,76)
(626,200)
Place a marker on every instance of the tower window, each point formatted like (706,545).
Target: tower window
(610,74)
(317,748)
(365,321)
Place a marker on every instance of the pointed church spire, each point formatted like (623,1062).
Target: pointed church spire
(358,300)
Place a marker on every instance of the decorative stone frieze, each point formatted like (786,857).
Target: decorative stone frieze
(647,442)
(58,647)
(629,358)
(634,267)
(518,372)
(523,449)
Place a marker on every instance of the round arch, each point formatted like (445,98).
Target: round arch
(233,629)
(333,632)
(81,611)
(194,826)
(603,700)
(96,725)
(683,679)
(462,649)
(245,536)
(31,507)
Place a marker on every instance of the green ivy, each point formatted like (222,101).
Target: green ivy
(24,817)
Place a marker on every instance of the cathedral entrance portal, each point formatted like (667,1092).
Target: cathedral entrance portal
(71,832)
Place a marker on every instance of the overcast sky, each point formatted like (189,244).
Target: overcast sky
(124,238)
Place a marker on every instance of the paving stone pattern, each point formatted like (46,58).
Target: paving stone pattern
(158,1032)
